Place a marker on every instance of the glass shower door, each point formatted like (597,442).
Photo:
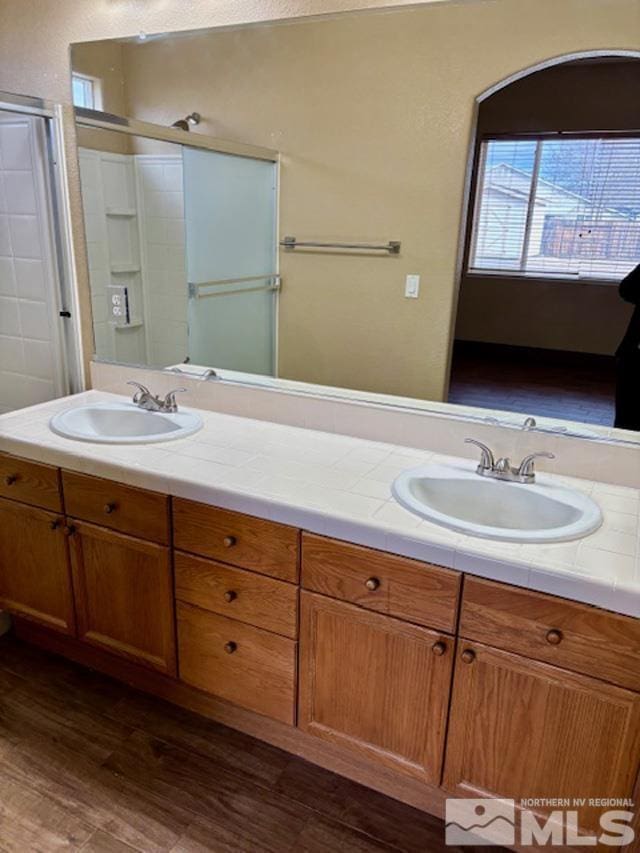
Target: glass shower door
(230,225)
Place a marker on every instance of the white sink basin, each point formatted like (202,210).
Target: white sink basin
(493,509)
(123,423)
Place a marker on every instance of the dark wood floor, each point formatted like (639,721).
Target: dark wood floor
(89,764)
(547,383)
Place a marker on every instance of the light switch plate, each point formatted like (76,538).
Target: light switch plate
(412,287)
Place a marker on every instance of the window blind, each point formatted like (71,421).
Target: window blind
(559,206)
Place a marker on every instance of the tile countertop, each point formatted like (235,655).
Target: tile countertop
(340,486)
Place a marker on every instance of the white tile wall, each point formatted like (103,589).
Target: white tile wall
(31,368)
(151,185)
(161,206)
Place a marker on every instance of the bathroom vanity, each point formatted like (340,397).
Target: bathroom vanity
(417,679)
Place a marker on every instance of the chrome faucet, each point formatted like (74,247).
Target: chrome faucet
(146,400)
(502,469)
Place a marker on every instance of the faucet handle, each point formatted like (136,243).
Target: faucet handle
(142,390)
(169,404)
(487,462)
(526,470)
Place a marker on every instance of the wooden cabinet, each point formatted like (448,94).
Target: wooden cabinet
(386,583)
(30,482)
(127,509)
(232,537)
(524,729)
(124,595)
(240,663)
(564,633)
(374,685)
(35,580)
(246,596)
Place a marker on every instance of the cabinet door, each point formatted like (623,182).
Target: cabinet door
(35,578)
(523,729)
(124,595)
(374,685)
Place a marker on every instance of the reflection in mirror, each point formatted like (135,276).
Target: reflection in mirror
(368,118)
(182,256)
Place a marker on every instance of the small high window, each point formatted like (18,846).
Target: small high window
(557,206)
(87,91)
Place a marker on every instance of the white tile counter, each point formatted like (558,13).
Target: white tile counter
(340,486)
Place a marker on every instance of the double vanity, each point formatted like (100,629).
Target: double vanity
(397,648)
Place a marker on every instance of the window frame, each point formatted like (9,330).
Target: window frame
(475,198)
(96,89)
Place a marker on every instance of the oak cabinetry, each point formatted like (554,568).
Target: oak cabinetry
(240,663)
(124,595)
(374,685)
(35,580)
(418,592)
(255,599)
(30,482)
(524,729)
(565,633)
(119,507)
(231,537)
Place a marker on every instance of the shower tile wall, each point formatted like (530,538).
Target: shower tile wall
(30,356)
(161,206)
(134,223)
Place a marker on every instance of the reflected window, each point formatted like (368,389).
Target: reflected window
(86,91)
(558,206)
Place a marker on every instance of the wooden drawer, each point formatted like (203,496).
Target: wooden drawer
(242,664)
(237,593)
(30,482)
(411,590)
(245,541)
(123,508)
(571,635)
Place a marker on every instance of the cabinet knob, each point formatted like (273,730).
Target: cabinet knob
(110,507)
(230,596)
(10,479)
(439,648)
(468,656)
(372,584)
(229,541)
(54,524)
(230,647)
(554,637)
(68,530)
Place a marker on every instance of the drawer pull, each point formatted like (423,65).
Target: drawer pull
(54,525)
(230,596)
(110,507)
(230,647)
(372,584)
(68,530)
(554,637)
(229,541)
(11,479)
(468,656)
(439,648)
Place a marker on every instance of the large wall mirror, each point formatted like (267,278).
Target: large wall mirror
(427,203)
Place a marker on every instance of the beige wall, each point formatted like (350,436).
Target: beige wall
(104,60)
(419,71)
(572,316)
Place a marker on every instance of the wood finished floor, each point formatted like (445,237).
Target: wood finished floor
(534,382)
(89,764)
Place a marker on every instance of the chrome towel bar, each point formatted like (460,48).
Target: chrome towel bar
(392,247)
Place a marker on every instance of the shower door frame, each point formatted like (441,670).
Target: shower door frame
(65,296)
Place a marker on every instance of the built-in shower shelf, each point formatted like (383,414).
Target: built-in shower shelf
(135,324)
(121,211)
(125,268)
